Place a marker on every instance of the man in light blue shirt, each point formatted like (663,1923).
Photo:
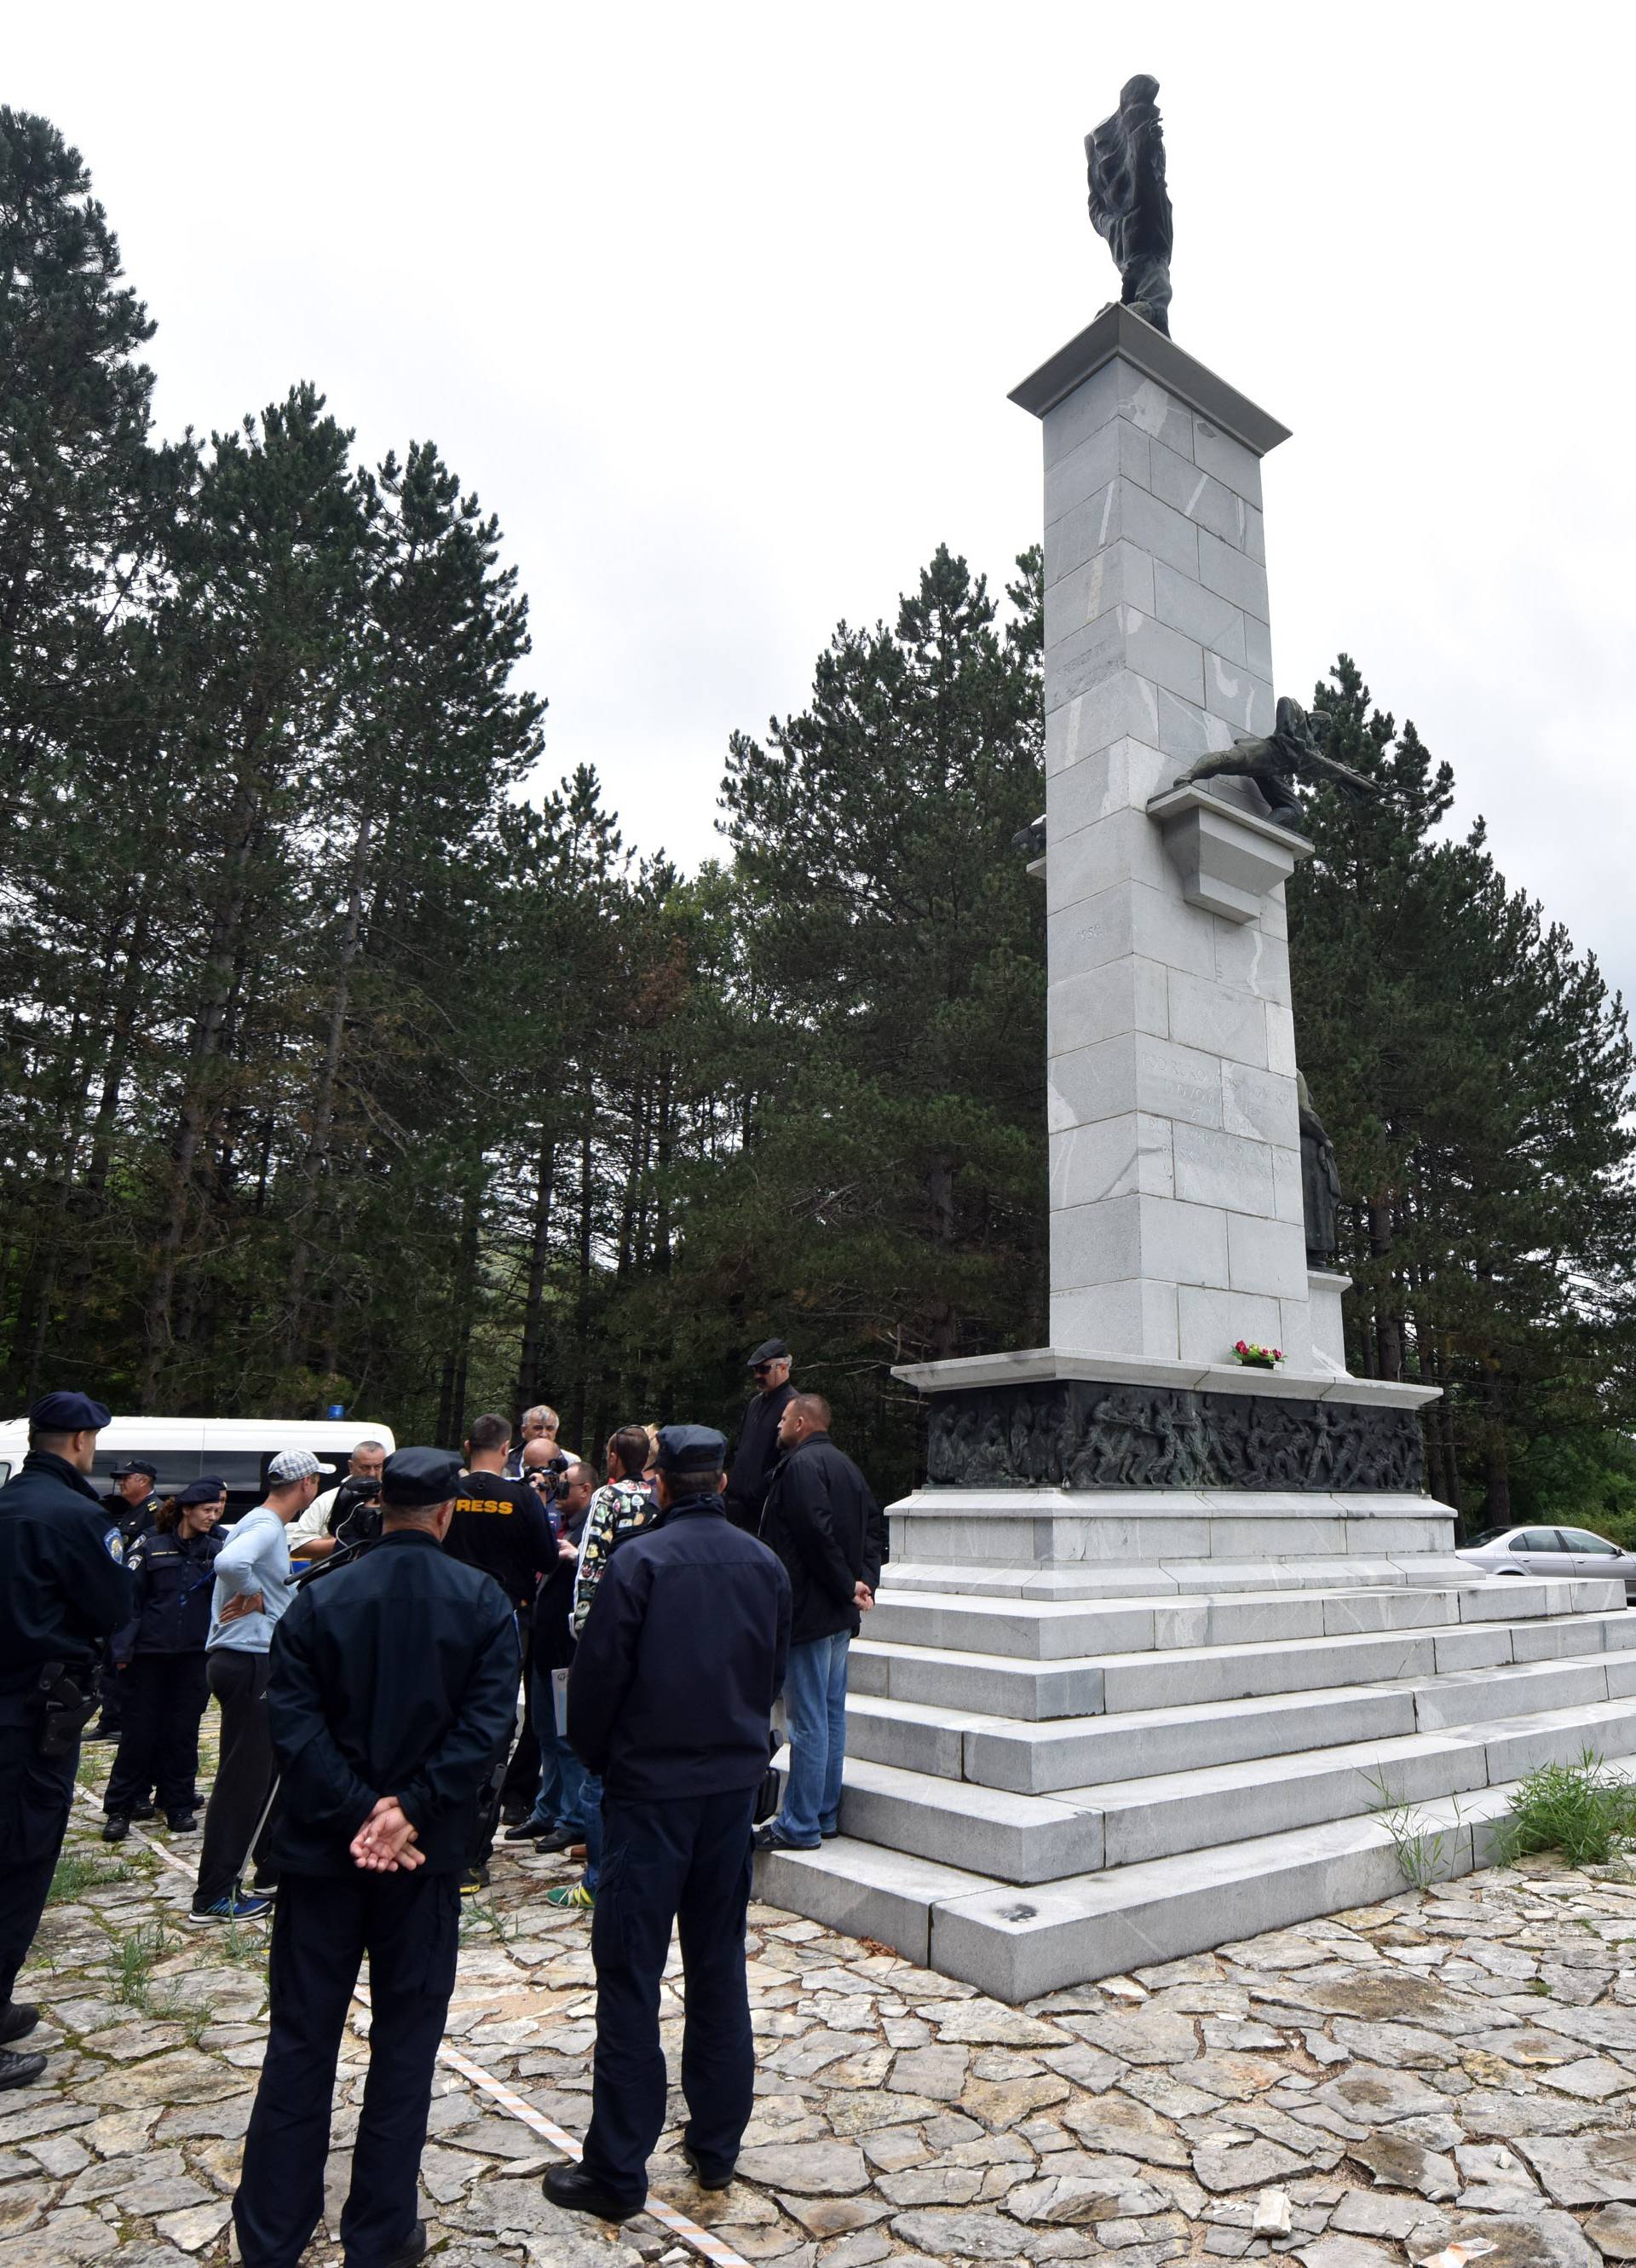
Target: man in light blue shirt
(252,1589)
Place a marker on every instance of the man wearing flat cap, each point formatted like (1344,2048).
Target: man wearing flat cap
(64,1592)
(392,1699)
(755,1460)
(669,1702)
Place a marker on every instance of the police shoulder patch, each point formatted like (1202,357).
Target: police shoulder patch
(116,1544)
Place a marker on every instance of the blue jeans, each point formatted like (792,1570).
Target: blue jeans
(815,1703)
(550,1805)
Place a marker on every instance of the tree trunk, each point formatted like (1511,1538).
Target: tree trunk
(315,1160)
(539,1258)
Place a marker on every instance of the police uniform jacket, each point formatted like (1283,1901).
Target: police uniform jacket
(756,1457)
(64,1588)
(681,1658)
(172,1579)
(395,1675)
(828,1531)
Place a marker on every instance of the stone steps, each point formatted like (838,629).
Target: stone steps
(1034,1690)
(1056,1629)
(1046,1756)
(1018,1944)
(1036,1839)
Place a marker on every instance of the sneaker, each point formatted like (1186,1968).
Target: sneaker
(260,1889)
(574,1895)
(181,1822)
(475,1879)
(115,1827)
(769,1838)
(233,1905)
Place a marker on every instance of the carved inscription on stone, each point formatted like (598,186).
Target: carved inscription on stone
(1079,1434)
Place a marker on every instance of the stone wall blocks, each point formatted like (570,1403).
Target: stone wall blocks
(1226,460)
(1119,576)
(1136,1316)
(1230,573)
(1088,469)
(1154,410)
(1260,1104)
(1185,605)
(1170,933)
(1090,933)
(1080,413)
(1126,1156)
(1247,957)
(1233,693)
(1159,528)
(1209,1322)
(1098,1243)
(1266,1256)
(1200,497)
(1257,654)
(1177,1083)
(1183,1243)
(1155,651)
(1213,1168)
(1221,1019)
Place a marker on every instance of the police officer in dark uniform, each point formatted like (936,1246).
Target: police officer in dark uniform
(391,1697)
(670,1700)
(132,1506)
(63,1590)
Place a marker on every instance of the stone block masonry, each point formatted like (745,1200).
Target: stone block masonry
(1175,1153)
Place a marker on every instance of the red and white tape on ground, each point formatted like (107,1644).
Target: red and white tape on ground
(708,2247)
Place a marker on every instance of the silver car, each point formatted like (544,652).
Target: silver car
(1551,1552)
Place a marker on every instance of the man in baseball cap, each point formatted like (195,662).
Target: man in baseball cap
(64,1592)
(252,1592)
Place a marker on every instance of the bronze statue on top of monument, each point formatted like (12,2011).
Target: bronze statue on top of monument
(1129,203)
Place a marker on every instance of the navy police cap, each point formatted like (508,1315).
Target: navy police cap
(412,1477)
(691,1449)
(69,1413)
(135,1465)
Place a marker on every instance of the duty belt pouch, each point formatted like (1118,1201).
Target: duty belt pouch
(65,1711)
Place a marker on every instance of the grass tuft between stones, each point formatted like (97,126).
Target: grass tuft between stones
(1586,1810)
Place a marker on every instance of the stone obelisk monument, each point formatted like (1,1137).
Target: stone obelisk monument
(1161,1633)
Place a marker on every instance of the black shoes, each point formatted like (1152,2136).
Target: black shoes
(181,1822)
(17,2018)
(20,2070)
(707,2177)
(578,2191)
(413,2251)
(115,1827)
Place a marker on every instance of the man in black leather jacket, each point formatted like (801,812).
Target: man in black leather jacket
(828,1531)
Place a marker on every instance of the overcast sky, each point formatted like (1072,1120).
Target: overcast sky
(718,307)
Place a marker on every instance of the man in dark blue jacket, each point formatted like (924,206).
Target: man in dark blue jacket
(63,1591)
(669,1702)
(392,1696)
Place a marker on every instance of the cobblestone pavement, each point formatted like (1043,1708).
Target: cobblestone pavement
(1456,2066)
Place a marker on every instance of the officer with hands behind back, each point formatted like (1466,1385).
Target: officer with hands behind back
(64,1592)
(669,1701)
(391,1692)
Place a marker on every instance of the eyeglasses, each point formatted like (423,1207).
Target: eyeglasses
(759,1369)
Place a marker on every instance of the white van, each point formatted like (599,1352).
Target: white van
(239,1448)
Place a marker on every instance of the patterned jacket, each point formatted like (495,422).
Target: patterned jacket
(619,1509)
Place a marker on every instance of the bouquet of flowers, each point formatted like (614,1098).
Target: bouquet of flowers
(1257,1357)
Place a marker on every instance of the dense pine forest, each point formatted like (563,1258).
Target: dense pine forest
(341,1062)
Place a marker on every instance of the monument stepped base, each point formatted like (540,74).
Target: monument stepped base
(1088,1739)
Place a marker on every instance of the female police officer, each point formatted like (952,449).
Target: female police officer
(160,1657)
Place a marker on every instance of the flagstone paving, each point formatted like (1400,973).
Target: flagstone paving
(1456,2066)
